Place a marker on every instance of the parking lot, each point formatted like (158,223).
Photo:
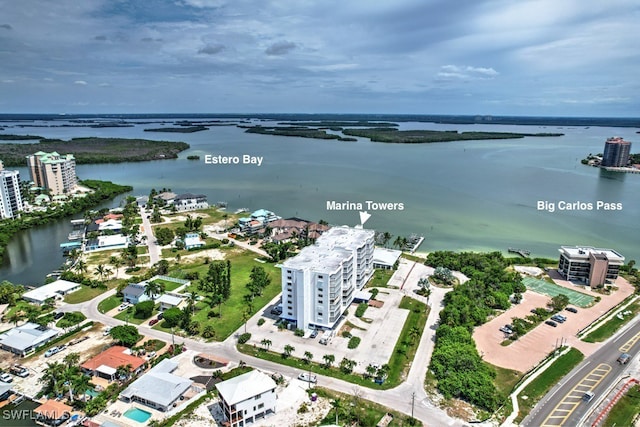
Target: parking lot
(378,330)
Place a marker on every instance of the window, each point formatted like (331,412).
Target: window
(258,396)
(320,314)
(320,301)
(260,406)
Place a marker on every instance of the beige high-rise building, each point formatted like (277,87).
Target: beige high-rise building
(55,172)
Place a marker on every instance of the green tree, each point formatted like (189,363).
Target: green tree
(347,365)
(288,349)
(51,376)
(559,302)
(144,309)
(328,360)
(266,343)
(116,262)
(307,357)
(153,289)
(172,317)
(80,267)
(127,335)
(164,235)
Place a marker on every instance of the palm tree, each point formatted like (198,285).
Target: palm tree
(328,359)
(80,267)
(75,380)
(100,271)
(71,359)
(116,262)
(15,317)
(308,356)
(288,349)
(192,299)
(123,371)
(50,376)
(371,370)
(398,242)
(386,237)
(153,289)
(266,343)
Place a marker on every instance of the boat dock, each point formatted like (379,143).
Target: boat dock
(69,246)
(413,242)
(522,252)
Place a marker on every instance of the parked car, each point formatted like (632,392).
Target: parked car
(572,310)
(5,377)
(310,378)
(123,307)
(58,315)
(506,330)
(314,333)
(51,351)
(160,316)
(558,318)
(624,358)
(19,371)
(106,331)
(551,323)
(153,322)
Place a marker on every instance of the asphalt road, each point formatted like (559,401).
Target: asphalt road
(399,398)
(564,404)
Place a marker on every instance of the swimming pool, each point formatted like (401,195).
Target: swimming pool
(137,414)
(91,392)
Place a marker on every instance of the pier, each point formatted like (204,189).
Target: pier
(522,252)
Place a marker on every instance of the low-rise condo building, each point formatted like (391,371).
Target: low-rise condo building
(247,398)
(593,266)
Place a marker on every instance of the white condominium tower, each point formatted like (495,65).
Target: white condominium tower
(10,196)
(55,172)
(319,283)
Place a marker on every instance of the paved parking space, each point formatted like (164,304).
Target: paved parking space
(629,344)
(378,330)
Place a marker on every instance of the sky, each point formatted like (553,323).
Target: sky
(499,57)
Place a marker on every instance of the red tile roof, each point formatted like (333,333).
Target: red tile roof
(113,357)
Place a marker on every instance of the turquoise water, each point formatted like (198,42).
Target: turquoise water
(472,195)
(137,414)
(91,392)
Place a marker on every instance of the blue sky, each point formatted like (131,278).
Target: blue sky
(501,57)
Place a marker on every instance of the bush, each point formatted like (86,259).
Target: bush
(353,342)
(346,334)
(374,292)
(172,316)
(260,321)
(362,307)
(144,309)
(71,319)
(299,332)
(243,338)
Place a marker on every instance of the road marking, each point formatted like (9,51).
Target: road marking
(571,400)
(627,346)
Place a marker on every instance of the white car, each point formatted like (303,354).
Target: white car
(310,378)
(106,331)
(123,306)
(6,378)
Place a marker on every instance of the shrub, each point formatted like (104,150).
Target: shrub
(299,332)
(172,316)
(346,334)
(71,319)
(260,321)
(353,342)
(374,293)
(362,307)
(144,309)
(243,338)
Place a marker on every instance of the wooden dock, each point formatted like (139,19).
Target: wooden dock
(522,252)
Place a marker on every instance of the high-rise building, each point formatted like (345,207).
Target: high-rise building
(319,283)
(590,265)
(55,172)
(10,196)
(616,152)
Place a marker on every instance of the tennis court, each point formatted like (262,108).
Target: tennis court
(546,288)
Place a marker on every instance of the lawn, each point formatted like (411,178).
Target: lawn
(127,315)
(110,303)
(626,410)
(232,310)
(380,278)
(543,383)
(505,379)
(86,293)
(168,284)
(610,327)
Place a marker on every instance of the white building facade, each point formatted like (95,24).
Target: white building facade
(10,196)
(319,283)
(247,398)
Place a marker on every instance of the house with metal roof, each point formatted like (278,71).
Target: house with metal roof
(247,398)
(158,388)
(26,338)
(54,290)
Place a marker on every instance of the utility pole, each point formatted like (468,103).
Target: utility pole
(413,400)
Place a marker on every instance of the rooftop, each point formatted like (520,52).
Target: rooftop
(114,357)
(245,386)
(584,251)
(159,385)
(50,290)
(27,335)
(53,409)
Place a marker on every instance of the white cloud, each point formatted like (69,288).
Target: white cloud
(80,83)
(456,72)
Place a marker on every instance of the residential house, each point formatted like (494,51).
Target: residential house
(55,290)
(105,364)
(134,293)
(189,202)
(168,301)
(103,243)
(385,258)
(247,398)
(158,388)
(192,241)
(52,413)
(26,338)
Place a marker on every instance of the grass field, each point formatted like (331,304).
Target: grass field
(610,327)
(551,289)
(537,388)
(109,303)
(627,408)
